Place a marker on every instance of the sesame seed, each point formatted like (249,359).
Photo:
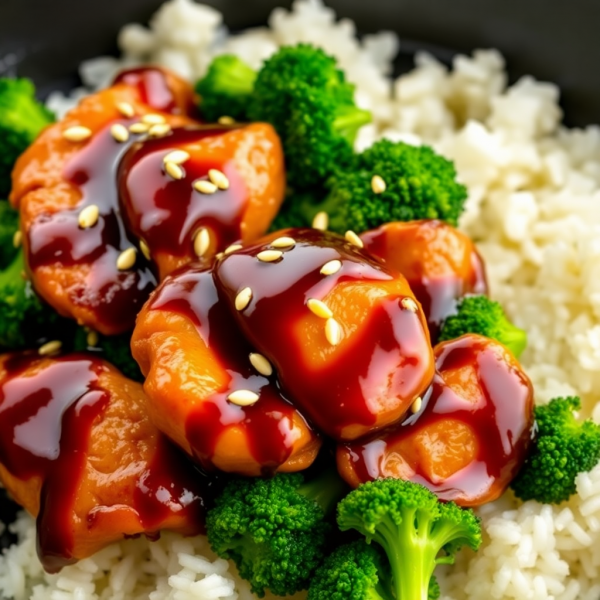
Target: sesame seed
(243,398)
(243,299)
(333,332)
(415,407)
(225,120)
(269,255)
(126,259)
(232,248)
(77,133)
(174,170)
(17,238)
(219,255)
(378,185)
(159,130)
(261,364)
(50,348)
(204,187)
(353,239)
(89,216)
(177,157)
(201,242)
(321,221)
(145,250)
(331,267)
(92,339)
(319,308)
(283,242)
(153,119)
(219,179)
(126,109)
(24,276)
(119,132)
(409,304)
(139,127)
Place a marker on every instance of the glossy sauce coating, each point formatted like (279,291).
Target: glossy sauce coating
(383,360)
(167,213)
(194,356)
(471,435)
(78,452)
(440,263)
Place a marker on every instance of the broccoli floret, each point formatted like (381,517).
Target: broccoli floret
(419,184)
(226,88)
(563,448)
(275,530)
(22,118)
(303,94)
(416,530)
(9,225)
(298,210)
(479,314)
(114,349)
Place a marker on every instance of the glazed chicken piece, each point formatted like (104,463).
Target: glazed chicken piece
(440,263)
(470,434)
(343,332)
(209,390)
(79,453)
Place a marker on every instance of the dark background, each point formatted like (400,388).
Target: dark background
(554,40)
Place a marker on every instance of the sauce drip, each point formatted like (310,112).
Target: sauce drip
(343,389)
(152,86)
(268,424)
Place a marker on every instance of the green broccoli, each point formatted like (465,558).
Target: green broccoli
(226,88)
(22,118)
(114,349)
(416,531)
(297,210)
(9,225)
(479,314)
(303,94)
(419,184)
(275,530)
(563,448)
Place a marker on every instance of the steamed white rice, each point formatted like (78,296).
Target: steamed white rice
(534,210)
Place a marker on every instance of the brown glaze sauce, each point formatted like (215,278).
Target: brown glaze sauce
(152,87)
(268,423)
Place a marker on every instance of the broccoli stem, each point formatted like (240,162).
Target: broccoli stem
(348,120)
(326,490)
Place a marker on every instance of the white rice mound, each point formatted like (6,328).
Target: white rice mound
(534,211)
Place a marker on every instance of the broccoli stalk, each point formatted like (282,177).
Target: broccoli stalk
(479,314)
(416,531)
(564,447)
(226,88)
(22,118)
(275,530)
(9,225)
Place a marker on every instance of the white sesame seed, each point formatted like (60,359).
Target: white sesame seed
(319,308)
(177,157)
(415,407)
(269,255)
(261,364)
(50,348)
(126,109)
(126,259)
(353,239)
(119,132)
(243,398)
(159,130)
(17,238)
(243,299)
(333,332)
(204,187)
(378,185)
(89,216)
(219,179)
(225,120)
(174,170)
(409,304)
(331,267)
(201,242)
(232,248)
(321,221)
(219,255)
(283,242)
(153,119)
(77,133)
(139,127)
(145,250)
(92,339)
